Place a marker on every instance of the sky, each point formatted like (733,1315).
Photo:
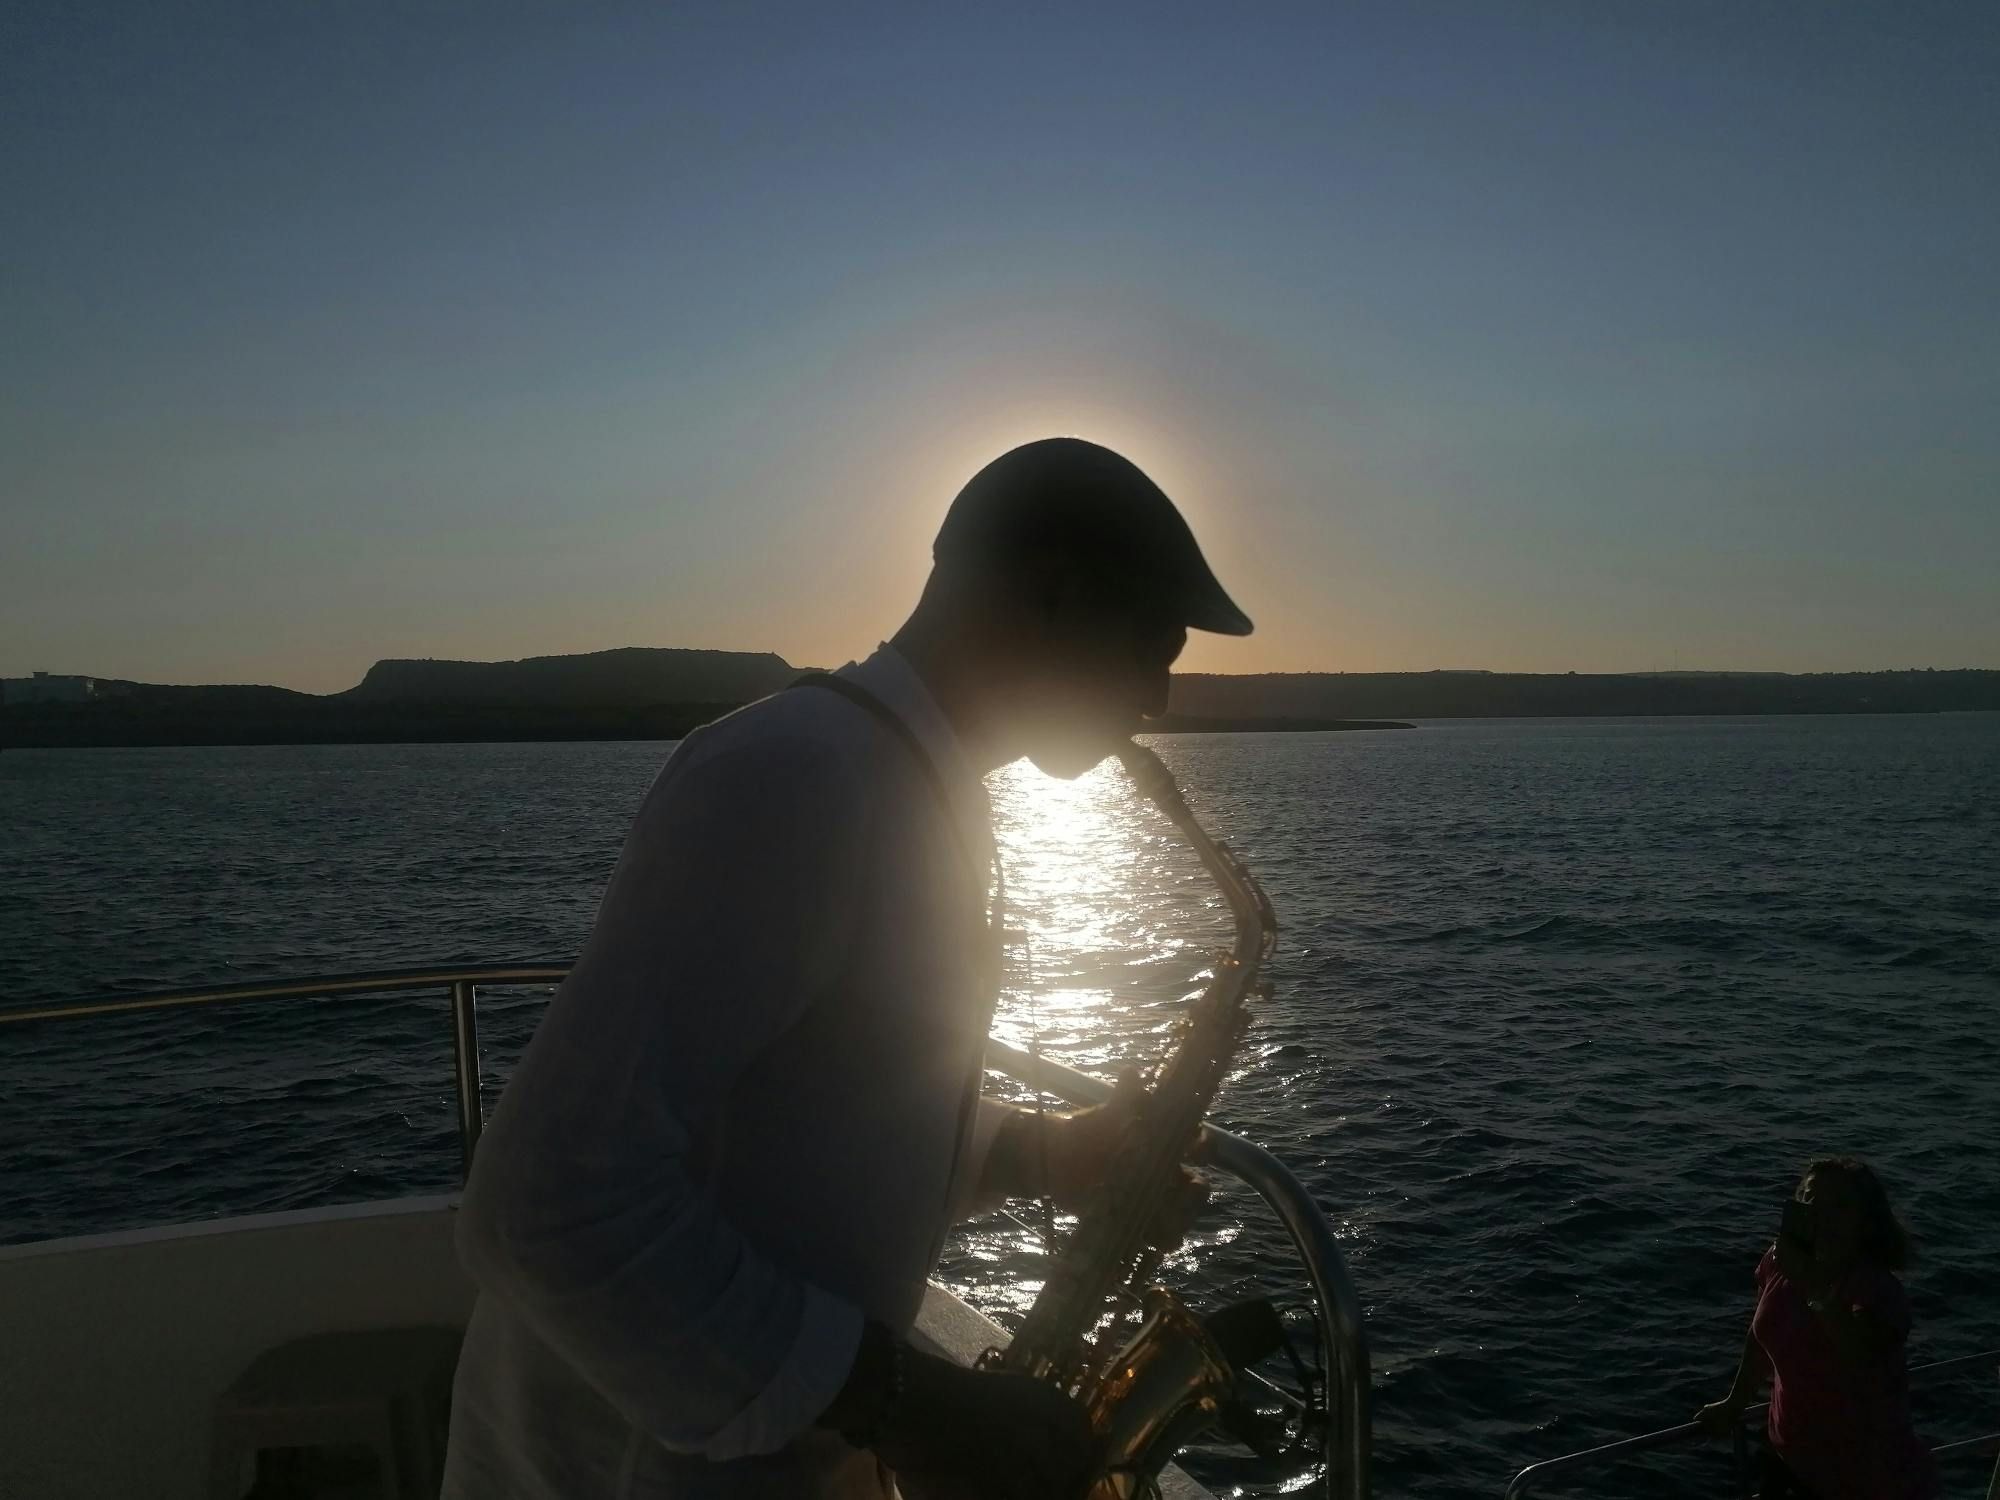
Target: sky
(1538,337)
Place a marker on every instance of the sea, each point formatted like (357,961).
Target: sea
(1560,1010)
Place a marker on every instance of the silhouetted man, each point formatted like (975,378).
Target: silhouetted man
(703,1216)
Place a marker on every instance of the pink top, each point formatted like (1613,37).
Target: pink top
(1844,1431)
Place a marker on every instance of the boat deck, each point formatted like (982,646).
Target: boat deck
(118,1345)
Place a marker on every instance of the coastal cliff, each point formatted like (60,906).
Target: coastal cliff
(635,676)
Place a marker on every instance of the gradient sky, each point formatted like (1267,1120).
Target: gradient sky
(1590,336)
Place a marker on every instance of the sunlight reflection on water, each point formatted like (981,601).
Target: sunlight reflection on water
(1101,897)
(1110,916)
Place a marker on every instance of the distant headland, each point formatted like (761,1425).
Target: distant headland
(645,693)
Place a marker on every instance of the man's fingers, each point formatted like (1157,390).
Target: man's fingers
(1105,1124)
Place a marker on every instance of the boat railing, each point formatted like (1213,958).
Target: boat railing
(459,981)
(1553,1470)
(1345,1440)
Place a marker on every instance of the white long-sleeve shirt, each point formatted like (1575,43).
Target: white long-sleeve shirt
(738,1130)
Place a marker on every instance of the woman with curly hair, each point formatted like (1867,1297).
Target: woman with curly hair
(1829,1331)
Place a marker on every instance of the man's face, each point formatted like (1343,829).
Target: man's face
(1107,668)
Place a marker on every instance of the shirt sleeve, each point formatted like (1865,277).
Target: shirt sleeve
(727,915)
(965,1199)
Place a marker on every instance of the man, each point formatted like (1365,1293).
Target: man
(703,1215)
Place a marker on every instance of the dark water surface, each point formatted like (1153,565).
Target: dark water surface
(1560,1009)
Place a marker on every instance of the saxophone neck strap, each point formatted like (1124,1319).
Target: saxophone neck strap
(853,692)
(888,718)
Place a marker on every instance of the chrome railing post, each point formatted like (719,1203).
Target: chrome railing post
(1350,1434)
(465,1066)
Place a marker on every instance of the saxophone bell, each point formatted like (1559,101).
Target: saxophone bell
(1172,1380)
(1164,1386)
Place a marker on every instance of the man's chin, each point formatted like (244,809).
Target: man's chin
(1070,756)
(1069,762)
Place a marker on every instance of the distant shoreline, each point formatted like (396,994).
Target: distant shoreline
(653,693)
(1190,724)
(76,732)
(668,728)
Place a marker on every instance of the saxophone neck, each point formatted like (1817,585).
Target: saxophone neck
(1150,774)
(1255,922)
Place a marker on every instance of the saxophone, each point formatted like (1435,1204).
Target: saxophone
(1151,1393)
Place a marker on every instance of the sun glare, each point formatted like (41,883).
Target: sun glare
(1060,841)
(1085,864)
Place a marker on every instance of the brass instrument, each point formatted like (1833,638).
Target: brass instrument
(1150,1394)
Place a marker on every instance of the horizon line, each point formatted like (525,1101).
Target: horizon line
(1671,671)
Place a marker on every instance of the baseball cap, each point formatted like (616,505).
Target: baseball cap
(1075,499)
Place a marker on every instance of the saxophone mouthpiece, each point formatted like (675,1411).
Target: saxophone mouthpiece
(1150,774)
(1139,762)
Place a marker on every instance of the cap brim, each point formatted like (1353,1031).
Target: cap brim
(1214,611)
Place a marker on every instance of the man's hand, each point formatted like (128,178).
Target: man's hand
(1084,1149)
(959,1434)
(1084,1144)
(1068,1157)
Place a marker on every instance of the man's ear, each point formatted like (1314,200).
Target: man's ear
(1041,589)
(1058,589)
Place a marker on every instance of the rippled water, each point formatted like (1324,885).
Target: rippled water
(1561,1006)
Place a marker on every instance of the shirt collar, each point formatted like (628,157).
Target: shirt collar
(890,677)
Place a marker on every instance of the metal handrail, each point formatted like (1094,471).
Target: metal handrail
(371,982)
(1348,1440)
(1669,1437)
(460,981)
